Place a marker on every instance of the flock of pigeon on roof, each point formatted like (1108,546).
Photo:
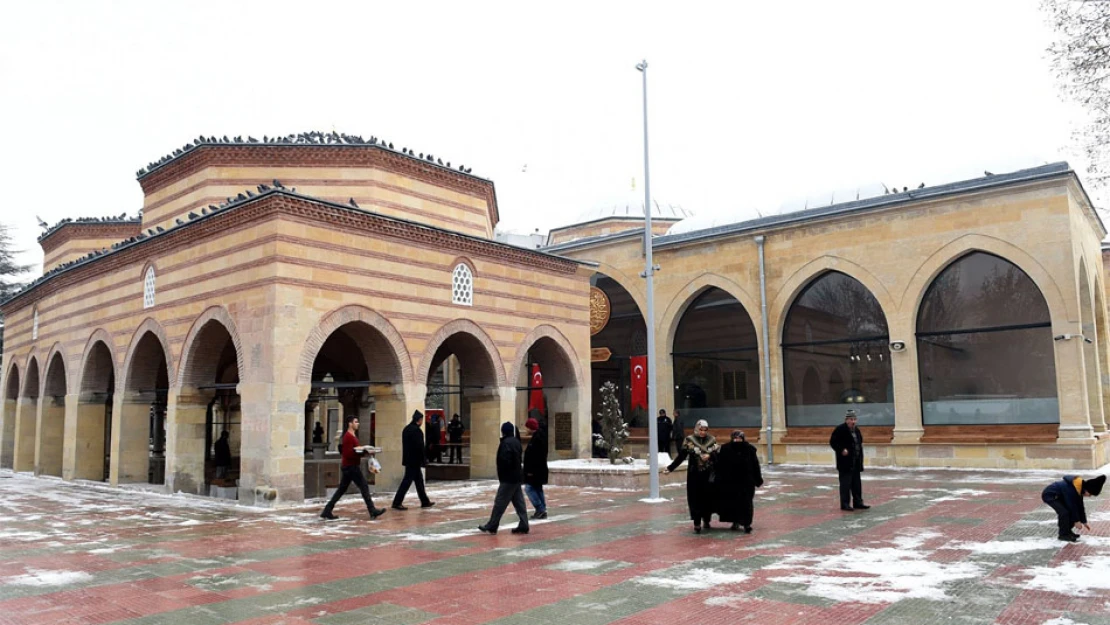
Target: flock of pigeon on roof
(150,232)
(49,230)
(304,138)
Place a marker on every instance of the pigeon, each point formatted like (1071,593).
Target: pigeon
(160,228)
(277,184)
(921,186)
(192,215)
(42,224)
(987,173)
(352,202)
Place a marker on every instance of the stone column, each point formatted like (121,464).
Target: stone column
(88,448)
(908,424)
(130,440)
(24,453)
(271,470)
(488,410)
(778,399)
(7,433)
(186,414)
(1075,423)
(51,428)
(393,408)
(71,440)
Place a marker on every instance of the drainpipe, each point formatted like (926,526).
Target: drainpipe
(766,351)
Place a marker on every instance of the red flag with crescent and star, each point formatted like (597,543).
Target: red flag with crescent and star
(535,394)
(639,382)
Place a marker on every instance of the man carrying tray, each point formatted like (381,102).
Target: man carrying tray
(351,451)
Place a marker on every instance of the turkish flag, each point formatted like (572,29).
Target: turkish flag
(535,395)
(639,382)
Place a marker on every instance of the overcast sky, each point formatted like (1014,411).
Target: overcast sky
(751,105)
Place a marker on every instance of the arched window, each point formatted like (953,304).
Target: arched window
(984,346)
(835,331)
(35,325)
(462,285)
(148,288)
(716,363)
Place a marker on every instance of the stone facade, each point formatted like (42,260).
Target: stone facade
(1040,220)
(247,297)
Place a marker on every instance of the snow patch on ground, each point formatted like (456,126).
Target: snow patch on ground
(465,506)
(425,538)
(1072,578)
(1061,620)
(728,601)
(960,494)
(656,500)
(529,553)
(1006,547)
(578,565)
(694,579)
(876,575)
(34,577)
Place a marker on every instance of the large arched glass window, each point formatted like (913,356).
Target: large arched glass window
(984,346)
(836,343)
(716,363)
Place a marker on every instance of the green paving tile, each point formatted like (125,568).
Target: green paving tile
(974,602)
(953,520)
(219,582)
(382,613)
(790,593)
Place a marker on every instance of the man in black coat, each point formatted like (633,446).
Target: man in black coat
(432,435)
(455,431)
(847,443)
(535,464)
(664,432)
(412,457)
(509,474)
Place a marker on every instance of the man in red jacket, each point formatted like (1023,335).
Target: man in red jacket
(351,472)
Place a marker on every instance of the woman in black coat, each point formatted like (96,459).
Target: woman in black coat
(737,476)
(701,448)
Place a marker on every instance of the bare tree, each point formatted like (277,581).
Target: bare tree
(9,274)
(1081,57)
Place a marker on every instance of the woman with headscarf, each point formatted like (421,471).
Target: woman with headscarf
(737,476)
(701,448)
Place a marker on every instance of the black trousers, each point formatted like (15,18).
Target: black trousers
(851,488)
(350,475)
(412,474)
(454,450)
(507,493)
(665,446)
(1063,517)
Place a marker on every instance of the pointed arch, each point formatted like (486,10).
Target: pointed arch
(468,328)
(676,307)
(963,245)
(552,333)
(159,333)
(807,273)
(98,336)
(340,317)
(217,314)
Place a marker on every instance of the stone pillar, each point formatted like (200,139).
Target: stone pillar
(88,448)
(130,440)
(51,428)
(488,410)
(908,424)
(1075,424)
(186,413)
(71,441)
(271,470)
(393,408)
(7,433)
(778,399)
(24,453)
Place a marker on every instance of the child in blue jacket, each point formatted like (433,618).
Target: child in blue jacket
(1066,498)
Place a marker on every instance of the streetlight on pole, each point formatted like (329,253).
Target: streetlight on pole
(649,271)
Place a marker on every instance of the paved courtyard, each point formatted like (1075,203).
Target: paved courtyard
(938,546)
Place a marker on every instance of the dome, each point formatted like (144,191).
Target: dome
(632,205)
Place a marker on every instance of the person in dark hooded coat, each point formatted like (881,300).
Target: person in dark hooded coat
(1066,498)
(509,476)
(535,463)
(737,476)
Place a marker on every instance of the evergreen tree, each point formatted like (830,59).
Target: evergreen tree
(614,431)
(9,272)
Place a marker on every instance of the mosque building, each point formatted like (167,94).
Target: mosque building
(270,285)
(965,323)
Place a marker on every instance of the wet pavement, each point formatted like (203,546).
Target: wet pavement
(938,546)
